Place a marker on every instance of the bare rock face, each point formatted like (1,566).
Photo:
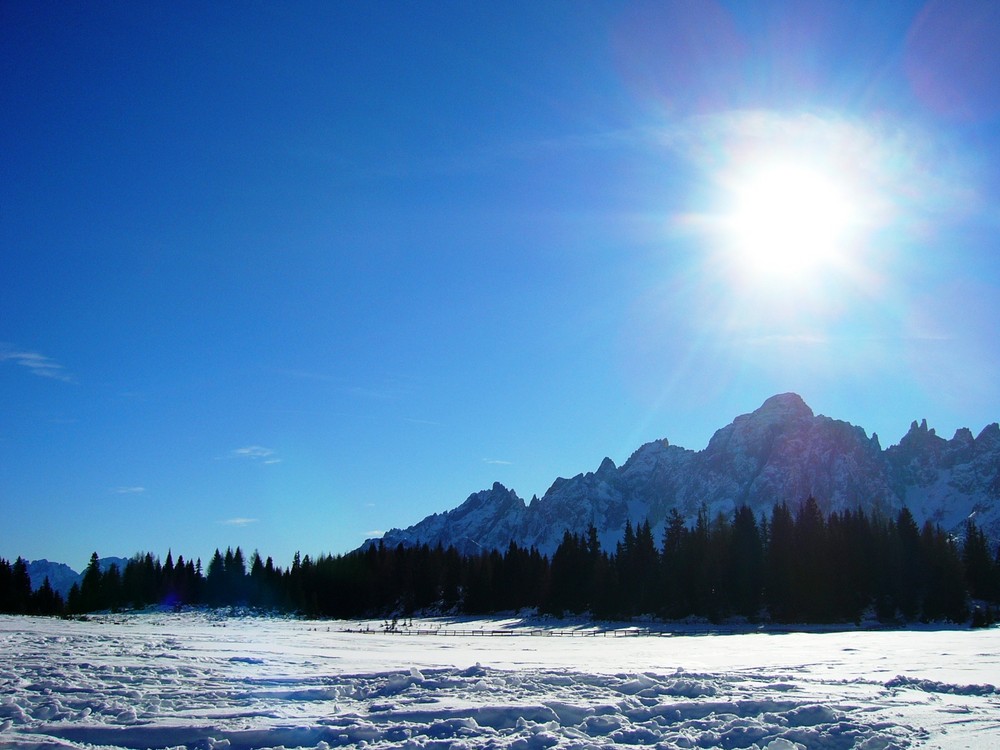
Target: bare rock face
(781,452)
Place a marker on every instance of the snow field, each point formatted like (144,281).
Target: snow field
(204,681)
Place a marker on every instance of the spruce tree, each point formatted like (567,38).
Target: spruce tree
(980,569)
(236,577)
(811,572)
(258,583)
(780,564)
(943,586)
(673,567)
(46,601)
(168,582)
(111,588)
(73,599)
(745,573)
(6,587)
(215,581)
(911,571)
(20,587)
(90,586)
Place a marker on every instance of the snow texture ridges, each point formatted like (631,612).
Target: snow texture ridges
(199,681)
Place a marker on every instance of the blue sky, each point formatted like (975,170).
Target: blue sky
(286,275)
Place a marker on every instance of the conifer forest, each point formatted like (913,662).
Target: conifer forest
(796,566)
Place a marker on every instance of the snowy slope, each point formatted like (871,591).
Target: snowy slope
(202,681)
(949,480)
(781,452)
(487,519)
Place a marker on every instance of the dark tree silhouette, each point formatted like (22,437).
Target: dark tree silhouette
(801,567)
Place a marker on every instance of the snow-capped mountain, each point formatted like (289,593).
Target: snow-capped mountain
(61,576)
(780,452)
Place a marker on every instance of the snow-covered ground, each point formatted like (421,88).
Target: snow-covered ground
(207,681)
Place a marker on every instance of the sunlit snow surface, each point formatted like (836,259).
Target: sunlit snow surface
(207,681)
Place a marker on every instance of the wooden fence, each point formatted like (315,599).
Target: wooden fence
(519,632)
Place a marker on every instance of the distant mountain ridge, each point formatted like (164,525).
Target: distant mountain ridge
(782,452)
(61,576)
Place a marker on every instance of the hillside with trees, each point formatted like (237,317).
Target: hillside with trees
(790,567)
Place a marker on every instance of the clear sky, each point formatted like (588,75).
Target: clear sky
(285,275)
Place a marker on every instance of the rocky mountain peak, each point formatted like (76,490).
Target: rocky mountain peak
(989,438)
(754,434)
(781,452)
(784,405)
(920,437)
(497,495)
(963,435)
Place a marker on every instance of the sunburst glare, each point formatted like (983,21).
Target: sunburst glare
(788,218)
(794,204)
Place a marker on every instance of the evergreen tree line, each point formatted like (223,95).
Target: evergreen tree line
(801,567)
(16,596)
(790,567)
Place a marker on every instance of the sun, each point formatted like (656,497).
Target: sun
(787,218)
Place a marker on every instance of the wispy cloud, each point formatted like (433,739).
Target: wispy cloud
(129,490)
(239,521)
(386,388)
(309,375)
(256,453)
(385,393)
(36,364)
(496,462)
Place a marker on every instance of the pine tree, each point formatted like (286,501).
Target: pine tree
(235,577)
(780,564)
(90,586)
(851,557)
(179,591)
(745,573)
(480,594)
(980,569)
(451,577)
(911,571)
(168,583)
(943,586)
(673,567)
(20,587)
(811,573)
(73,599)
(258,584)
(718,585)
(215,582)
(646,565)
(46,601)
(6,587)
(568,577)
(111,588)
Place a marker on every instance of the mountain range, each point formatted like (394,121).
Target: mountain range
(782,452)
(61,576)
